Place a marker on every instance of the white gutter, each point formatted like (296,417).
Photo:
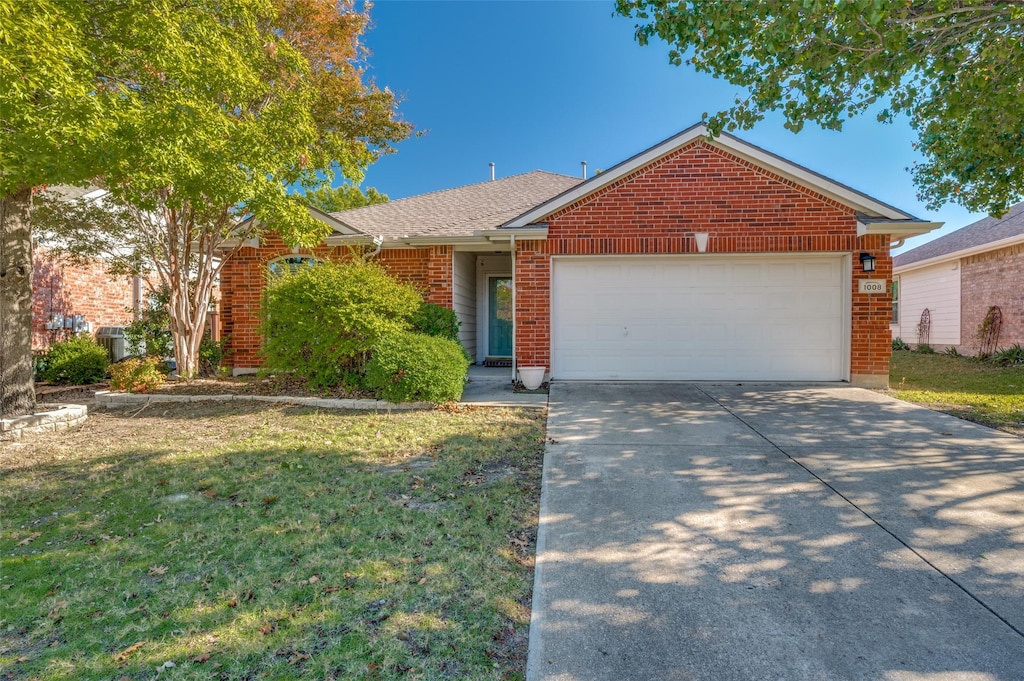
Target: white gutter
(903,229)
(956,255)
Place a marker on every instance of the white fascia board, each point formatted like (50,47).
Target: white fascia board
(537,232)
(734,145)
(956,255)
(901,229)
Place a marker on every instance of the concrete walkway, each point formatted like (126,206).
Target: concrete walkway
(492,387)
(748,532)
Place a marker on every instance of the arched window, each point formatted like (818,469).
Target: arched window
(289,264)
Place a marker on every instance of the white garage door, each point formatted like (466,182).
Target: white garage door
(771,318)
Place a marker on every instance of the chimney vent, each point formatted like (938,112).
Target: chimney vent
(492,171)
(584,164)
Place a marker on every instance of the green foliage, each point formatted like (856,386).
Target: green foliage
(899,344)
(333,199)
(1006,357)
(149,335)
(137,375)
(953,69)
(78,361)
(436,320)
(953,352)
(408,367)
(211,355)
(322,322)
(925,349)
(216,109)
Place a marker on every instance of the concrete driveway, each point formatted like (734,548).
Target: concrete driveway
(749,532)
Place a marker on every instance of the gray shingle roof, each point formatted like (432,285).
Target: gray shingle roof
(984,231)
(460,211)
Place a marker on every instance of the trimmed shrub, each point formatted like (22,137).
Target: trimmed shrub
(321,322)
(78,361)
(899,344)
(408,367)
(436,320)
(137,375)
(925,349)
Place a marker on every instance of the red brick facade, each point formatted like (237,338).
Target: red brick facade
(992,278)
(63,288)
(701,188)
(243,276)
(654,210)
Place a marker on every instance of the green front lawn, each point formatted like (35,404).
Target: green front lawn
(262,542)
(961,386)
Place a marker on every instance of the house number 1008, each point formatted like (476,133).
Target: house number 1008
(872,285)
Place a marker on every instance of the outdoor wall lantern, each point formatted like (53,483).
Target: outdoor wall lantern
(867,262)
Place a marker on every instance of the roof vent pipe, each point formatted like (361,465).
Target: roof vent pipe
(584,164)
(492,171)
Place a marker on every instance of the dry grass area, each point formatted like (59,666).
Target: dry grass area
(253,541)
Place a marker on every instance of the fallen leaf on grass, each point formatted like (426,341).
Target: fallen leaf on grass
(124,654)
(268,629)
(314,579)
(29,539)
(199,659)
(297,657)
(157,570)
(210,493)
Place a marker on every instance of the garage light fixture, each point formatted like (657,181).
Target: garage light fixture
(867,262)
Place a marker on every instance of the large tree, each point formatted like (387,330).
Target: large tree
(343,197)
(54,116)
(232,103)
(955,68)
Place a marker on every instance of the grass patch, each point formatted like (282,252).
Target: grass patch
(961,386)
(242,541)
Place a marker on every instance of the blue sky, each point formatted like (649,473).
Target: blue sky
(541,84)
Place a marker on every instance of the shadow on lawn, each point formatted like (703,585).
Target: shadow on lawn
(252,541)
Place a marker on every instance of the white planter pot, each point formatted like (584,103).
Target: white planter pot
(532,377)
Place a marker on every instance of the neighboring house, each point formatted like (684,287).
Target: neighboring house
(696,259)
(958,277)
(70,298)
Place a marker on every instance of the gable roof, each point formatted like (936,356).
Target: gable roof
(878,217)
(989,231)
(457,212)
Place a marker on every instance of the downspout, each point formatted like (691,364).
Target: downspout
(897,244)
(378,242)
(515,329)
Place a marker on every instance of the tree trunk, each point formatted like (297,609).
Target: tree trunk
(17,394)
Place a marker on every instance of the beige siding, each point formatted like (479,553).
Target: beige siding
(464,299)
(936,288)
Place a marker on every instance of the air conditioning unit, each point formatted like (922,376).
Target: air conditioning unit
(112,338)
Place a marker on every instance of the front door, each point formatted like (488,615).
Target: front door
(499,316)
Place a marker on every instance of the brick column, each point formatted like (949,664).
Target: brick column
(871,339)
(533,304)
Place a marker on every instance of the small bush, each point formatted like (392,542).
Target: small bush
(1007,357)
(953,352)
(137,375)
(211,355)
(899,344)
(408,367)
(925,349)
(149,335)
(78,361)
(436,320)
(322,322)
